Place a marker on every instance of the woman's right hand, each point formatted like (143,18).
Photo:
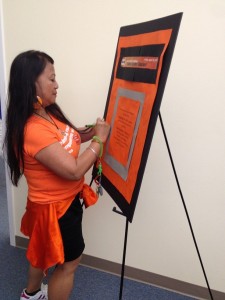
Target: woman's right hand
(102,129)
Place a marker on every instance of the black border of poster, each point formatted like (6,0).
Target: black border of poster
(169,22)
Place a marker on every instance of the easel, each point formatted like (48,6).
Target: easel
(189,222)
(124,253)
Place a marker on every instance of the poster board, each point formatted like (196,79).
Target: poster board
(141,66)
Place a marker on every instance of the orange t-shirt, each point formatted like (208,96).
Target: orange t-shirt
(44,186)
(49,196)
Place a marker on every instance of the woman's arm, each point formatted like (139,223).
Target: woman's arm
(86,135)
(57,159)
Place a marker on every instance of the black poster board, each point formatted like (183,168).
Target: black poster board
(133,73)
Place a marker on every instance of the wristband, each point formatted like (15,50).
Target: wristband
(98,140)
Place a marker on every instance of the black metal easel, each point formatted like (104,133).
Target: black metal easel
(185,208)
(124,253)
(186,211)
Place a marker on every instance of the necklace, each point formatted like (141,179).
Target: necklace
(52,122)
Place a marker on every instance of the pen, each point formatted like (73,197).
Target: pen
(90,125)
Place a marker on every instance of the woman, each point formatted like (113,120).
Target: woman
(43,145)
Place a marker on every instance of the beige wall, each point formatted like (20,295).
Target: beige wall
(82,38)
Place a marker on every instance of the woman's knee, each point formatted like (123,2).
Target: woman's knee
(70,266)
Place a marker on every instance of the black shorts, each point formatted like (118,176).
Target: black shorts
(71,230)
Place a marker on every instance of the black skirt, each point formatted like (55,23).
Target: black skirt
(71,230)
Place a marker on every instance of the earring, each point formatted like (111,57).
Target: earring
(38,104)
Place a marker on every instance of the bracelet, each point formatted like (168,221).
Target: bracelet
(98,140)
(93,150)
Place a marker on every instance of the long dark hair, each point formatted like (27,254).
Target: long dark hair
(25,70)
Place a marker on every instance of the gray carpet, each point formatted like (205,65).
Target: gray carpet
(90,284)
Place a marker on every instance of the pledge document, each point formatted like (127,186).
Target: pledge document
(123,129)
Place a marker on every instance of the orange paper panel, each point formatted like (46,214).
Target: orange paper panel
(126,187)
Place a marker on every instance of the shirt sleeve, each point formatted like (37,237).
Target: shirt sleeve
(37,137)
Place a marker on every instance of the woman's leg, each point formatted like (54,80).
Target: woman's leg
(35,277)
(61,282)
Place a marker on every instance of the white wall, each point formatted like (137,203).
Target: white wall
(82,37)
(3,88)
(2,75)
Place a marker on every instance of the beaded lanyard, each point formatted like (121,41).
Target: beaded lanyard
(98,178)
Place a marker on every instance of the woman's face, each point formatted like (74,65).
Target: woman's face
(46,85)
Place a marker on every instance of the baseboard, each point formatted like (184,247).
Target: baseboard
(1,137)
(164,282)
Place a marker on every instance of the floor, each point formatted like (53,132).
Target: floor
(90,284)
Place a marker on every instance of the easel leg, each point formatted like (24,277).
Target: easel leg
(124,259)
(124,253)
(184,204)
